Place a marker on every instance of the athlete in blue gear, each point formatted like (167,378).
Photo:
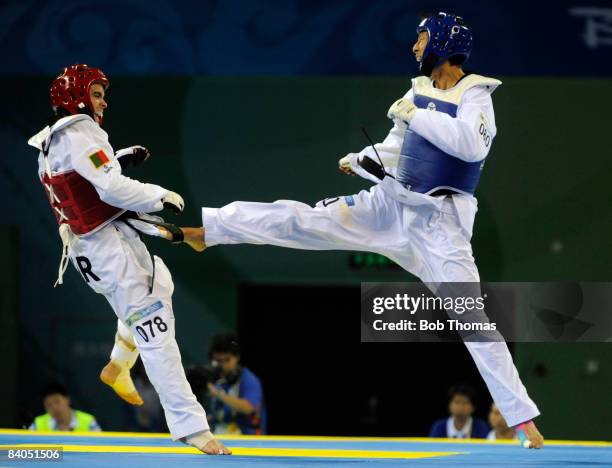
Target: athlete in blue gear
(421,211)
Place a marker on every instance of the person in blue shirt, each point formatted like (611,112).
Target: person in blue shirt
(237,397)
(460,424)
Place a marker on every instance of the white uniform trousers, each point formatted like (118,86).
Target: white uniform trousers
(116,263)
(424,239)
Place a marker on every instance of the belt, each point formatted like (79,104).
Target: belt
(447,192)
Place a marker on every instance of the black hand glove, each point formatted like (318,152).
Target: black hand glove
(132,156)
(140,155)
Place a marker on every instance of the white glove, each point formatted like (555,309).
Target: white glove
(173,201)
(403,109)
(345,164)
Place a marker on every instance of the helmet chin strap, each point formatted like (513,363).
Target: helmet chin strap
(428,64)
(88,111)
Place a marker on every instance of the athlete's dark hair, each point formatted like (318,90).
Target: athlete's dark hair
(456,59)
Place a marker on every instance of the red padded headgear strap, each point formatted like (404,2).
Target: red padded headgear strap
(70,90)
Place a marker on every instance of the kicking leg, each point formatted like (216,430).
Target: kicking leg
(357,222)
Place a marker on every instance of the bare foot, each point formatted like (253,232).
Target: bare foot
(207,443)
(120,380)
(194,238)
(214,447)
(529,435)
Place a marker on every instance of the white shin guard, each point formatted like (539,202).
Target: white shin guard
(124,351)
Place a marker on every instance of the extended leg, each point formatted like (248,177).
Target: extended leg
(358,222)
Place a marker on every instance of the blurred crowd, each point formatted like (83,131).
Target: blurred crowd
(234,399)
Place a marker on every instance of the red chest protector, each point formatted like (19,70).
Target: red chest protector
(74,199)
(75,202)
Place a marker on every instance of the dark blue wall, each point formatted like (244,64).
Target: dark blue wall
(296,37)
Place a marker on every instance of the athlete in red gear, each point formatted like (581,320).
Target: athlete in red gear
(100,212)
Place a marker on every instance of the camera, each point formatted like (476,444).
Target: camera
(199,376)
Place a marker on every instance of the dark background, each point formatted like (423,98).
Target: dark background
(253,100)
(320,380)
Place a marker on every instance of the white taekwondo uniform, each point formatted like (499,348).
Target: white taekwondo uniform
(410,219)
(114,261)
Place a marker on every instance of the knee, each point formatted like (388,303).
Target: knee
(459,271)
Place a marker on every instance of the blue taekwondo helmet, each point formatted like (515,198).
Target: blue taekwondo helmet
(448,36)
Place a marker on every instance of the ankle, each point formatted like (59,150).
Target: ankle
(193,234)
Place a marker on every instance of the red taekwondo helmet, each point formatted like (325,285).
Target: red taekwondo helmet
(70,90)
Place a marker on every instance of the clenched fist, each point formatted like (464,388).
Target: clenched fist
(402,109)
(174,202)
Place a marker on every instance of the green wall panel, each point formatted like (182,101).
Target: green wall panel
(544,200)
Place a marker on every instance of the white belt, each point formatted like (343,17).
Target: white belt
(401,194)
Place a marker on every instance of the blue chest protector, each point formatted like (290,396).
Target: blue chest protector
(424,168)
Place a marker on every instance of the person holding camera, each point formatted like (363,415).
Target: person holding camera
(237,402)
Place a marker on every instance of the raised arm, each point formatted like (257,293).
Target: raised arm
(469,136)
(92,157)
(388,150)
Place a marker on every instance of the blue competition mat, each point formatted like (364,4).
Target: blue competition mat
(131,450)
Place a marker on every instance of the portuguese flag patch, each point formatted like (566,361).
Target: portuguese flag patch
(98,159)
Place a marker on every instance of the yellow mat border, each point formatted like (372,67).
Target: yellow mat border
(245,451)
(140,435)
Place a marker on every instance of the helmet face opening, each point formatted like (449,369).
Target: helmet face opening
(70,90)
(448,36)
